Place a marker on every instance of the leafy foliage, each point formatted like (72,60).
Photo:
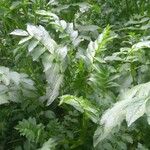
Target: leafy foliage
(82,105)
(30,129)
(15,86)
(74,74)
(52,59)
(132,105)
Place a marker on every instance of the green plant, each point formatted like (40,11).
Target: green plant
(74,74)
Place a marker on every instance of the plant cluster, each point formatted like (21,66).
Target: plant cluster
(74,74)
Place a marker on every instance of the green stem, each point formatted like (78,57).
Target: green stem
(83,134)
(133,73)
(136,6)
(25,10)
(127,8)
(85,121)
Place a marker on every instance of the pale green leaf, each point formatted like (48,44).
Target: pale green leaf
(43,36)
(47,61)
(71,100)
(134,111)
(24,40)
(82,105)
(98,45)
(32,45)
(49,145)
(15,77)
(132,105)
(37,52)
(4,99)
(143,44)
(11,85)
(19,32)
(47,13)
(148,111)
(91,28)
(53,93)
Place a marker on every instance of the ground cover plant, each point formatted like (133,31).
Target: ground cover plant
(74,75)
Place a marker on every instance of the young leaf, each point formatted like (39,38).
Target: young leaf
(30,129)
(82,105)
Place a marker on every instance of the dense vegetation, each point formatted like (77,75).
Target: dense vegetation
(74,74)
